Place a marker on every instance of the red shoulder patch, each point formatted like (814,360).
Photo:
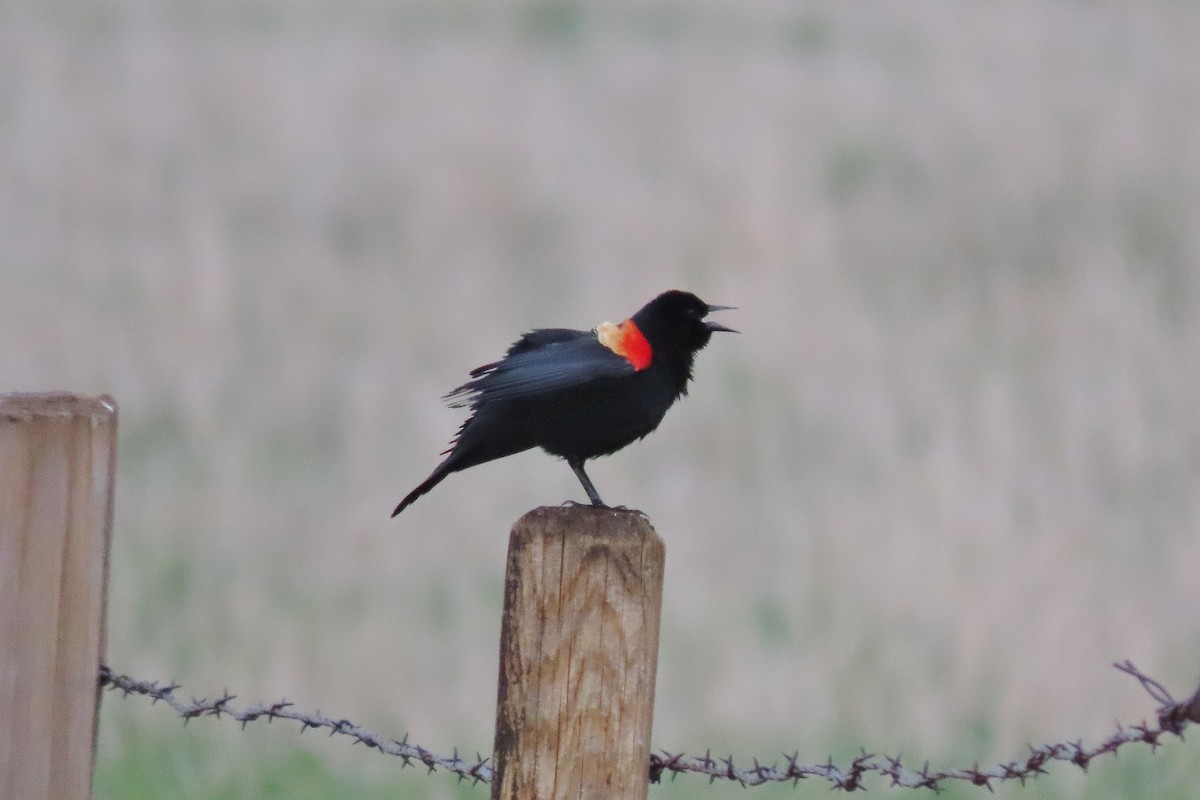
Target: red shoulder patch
(626,341)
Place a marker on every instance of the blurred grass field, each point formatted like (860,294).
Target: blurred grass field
(947,474)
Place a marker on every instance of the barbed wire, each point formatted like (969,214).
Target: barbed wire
(478,770)
(1173,717)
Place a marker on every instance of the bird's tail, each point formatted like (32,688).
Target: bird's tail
(439,474)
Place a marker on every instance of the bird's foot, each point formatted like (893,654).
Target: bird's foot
(626,509)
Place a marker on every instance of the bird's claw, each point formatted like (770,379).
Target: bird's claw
(626,509)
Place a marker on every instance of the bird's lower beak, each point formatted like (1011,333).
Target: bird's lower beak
(716,326)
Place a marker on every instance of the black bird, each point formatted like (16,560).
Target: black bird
(579,394)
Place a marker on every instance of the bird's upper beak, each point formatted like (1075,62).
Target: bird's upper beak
(716,326)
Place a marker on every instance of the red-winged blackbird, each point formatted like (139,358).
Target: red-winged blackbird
(579,394)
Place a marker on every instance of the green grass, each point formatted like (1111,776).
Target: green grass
(152,758)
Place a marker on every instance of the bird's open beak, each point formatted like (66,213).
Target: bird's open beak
(716,326)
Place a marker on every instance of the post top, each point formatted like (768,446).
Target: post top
(24,406)
(577,520)
(578,512)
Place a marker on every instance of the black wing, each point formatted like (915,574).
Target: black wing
(541,361)
(532,341)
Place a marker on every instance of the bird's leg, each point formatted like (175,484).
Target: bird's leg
(577,468)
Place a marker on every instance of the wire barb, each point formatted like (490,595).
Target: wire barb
(1173,718)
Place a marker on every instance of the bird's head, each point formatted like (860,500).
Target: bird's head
(675,320)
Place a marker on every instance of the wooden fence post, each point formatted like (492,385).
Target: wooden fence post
(57,454)
(578,655)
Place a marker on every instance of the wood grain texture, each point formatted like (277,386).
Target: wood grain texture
(57,454)
(578,655)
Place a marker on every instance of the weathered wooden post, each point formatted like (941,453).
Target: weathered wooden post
(57,456)
(578,655)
